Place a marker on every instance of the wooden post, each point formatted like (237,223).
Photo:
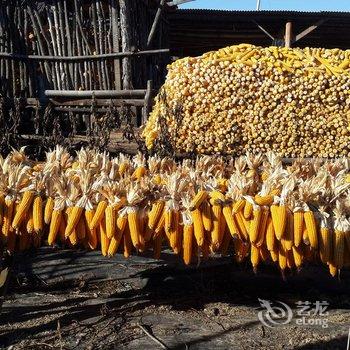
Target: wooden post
(126,42)
(148,102)
(288,35)
(115,43)
(155,23)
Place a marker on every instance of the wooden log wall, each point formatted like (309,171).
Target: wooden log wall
(73,28)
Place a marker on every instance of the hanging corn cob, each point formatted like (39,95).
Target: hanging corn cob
(143,214)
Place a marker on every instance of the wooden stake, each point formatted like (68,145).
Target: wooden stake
(126,42)
(288,35)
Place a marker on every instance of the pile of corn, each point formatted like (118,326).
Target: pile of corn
(243,98)
(252,207)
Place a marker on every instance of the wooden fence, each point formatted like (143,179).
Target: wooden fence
(90,61)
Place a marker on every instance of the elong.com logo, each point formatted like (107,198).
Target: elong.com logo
(277,313)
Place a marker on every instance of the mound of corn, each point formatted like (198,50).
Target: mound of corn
(251,208)
(243,98)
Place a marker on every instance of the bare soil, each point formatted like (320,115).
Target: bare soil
(80,300)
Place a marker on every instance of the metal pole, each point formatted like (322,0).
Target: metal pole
(258,5)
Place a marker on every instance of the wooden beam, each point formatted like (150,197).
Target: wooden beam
(95,93)
(106,56)
(264,30)
(155,23)
(309,29)
(106,102)
(288,35)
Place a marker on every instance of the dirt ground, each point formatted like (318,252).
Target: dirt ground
(80,300)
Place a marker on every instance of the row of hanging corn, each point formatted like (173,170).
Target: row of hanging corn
(252,207)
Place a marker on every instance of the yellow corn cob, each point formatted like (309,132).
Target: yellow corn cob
(230,220)
(326,243)
(332,269)
(187,243)
(48,210)
(254,257)
(290,259)
(110,217)
(263,227)
(305,236)
(339,246)
(216,233)
(142,243)
(298,255)
(248,210)
(279,219)
(38,214)
(242,228)
(115,241)
(216,196)
(91,233)
(207,216)
(155,213)
(134,228)
(270,235)
(123,167)
(157,179)
(122,222)
(138,173)
(160,225)
(298,224)
(264,176)
(103,237)
(255,225)
(99,214)
(8,215)
(263,200)
(29,223)
(246,222)
(127,243)
(22,208)
(175,233)
(288,239)
(169,222)
(198,228)
(311,227)
(81,229)
(73,219)
(73,238)
(282,258)
(274,254)
(54,226)
(238,206)
(198,199)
